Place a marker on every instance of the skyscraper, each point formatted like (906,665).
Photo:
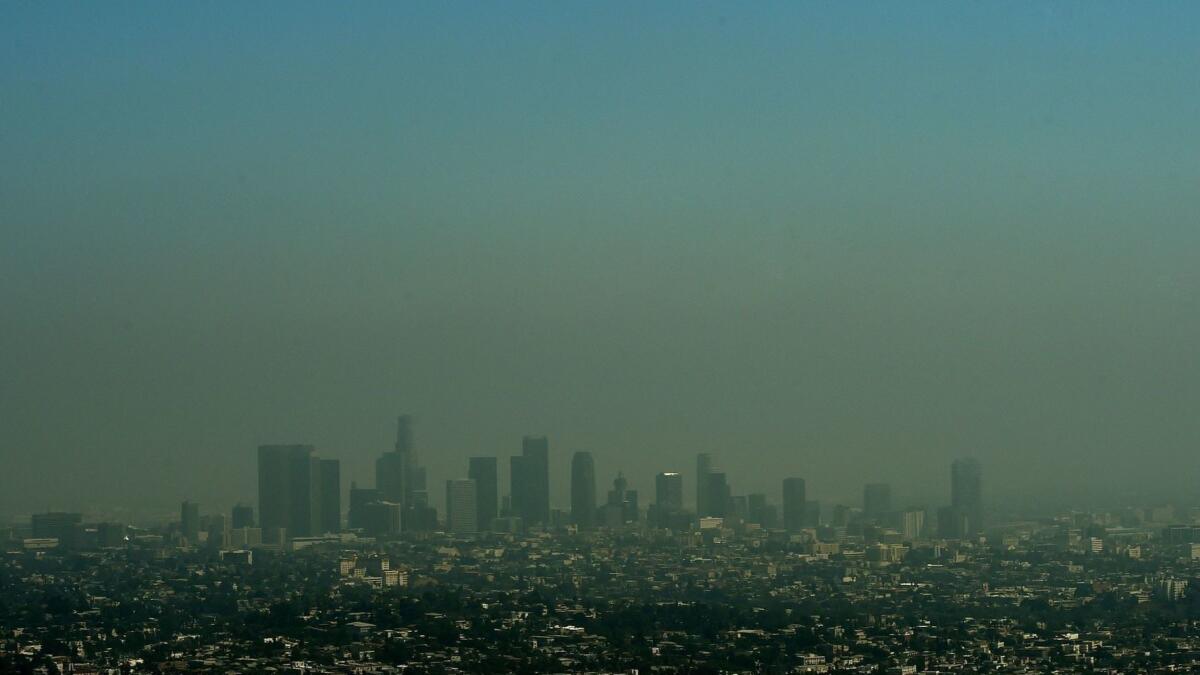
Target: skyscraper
(461,511)
(517,488)
(966,494)
(359,499)
(289,490)
(668,492)
(716,494)
(794,504)
(536,480)
(189,521)
(331,495)
(398,474)
(483,471)
(703,468)
(583,490)
(877,501)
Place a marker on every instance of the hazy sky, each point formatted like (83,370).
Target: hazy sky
(845,241)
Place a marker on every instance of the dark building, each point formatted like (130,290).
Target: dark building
(794,501)
(756,509)
(877,501)
(189,521)
(517,495)
(717,497)
(535,481)
(110,535)
(359,498)
(583,490)
(331,495)
(703,468)
(966,495)
(622,504)
(812,513)
(289,491)
(483,471)
(380,518)
(398,474)
(243,516)
(668,492)
(65,527)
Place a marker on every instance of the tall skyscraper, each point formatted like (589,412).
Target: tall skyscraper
(877,501)
(483,471)
(189,521)
(795,501)
(668,492)
(703,468)
(583,490)
(536,479)
(331,495)
(398,474)
(966,494)
(461,508)
(716,494)
(518,491)
(289,491)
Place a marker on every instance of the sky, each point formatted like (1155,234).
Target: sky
(842,241)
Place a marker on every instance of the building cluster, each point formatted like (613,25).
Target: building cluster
(1024,596)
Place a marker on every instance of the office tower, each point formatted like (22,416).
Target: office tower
(877,501)
(218,532)
(189,521)
(703,468)
(518,491)
(65,527)
(668,492)
(794,500)
(716,495)
(912,523)
(331,495)
(398,474)
(360,497)
(380,518)
(966,495)
(289,491)
(390,477)
(243,516)
(461,507)
(841,515)
(583,490)
(484,472)
(110,535)
(621,506)
(756,509)
(536,451)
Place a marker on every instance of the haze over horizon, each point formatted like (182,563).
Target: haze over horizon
(848,243)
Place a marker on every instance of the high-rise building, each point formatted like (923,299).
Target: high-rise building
(331,495)
(668,492)
(716,495)
(289,491)
(399,475)
(517,489)
(877,501)
(359,498)
(65,527)
(794,501)
(380,518)
(536,480)
(966,494)
(189,521)
(703,468)
(583,490)
(483,471)
(243,516)
(461,513)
